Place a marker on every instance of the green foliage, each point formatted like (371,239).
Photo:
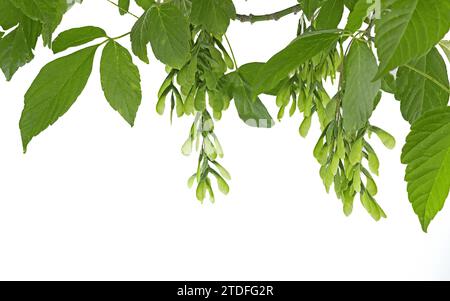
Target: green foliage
(419,94)
(203,78)
(250,110)
(330,14)
(409,29)
(121,81)
(359,13)
(169,35)
(76,37)
(427,155)
(145,4)
(310,7)
(54,91)
(360,89)
(293,56)
(16,48)
(213,15)
(48,12)
(445,45)
(165,27)
(9,15)
(124,6)
(140,36)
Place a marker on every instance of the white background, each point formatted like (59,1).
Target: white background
(96,200)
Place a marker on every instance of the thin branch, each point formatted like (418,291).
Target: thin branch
(123,10)
(244,18)
(270,17)
(429,77)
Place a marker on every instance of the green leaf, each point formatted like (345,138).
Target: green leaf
(124,6)
(48,12)
(250,72)
(310,7)
(184,6)
(418,94)
(388,83)
(351,4)
(301,50)
(358,15)
(408,30)
(360,91)
(121,81)
(16,47)
(427,155)
(53,92)
(140,36)
(167,30)
(169,35)
(76,37)
(251,111)
(330,14)
(32,30)
(15,50)
(145,4)
(213,15)
(445,45)
(10,16)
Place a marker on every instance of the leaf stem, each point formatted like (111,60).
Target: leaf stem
(429,77)
(121,36)
(269,17)
(232,52)
(113,39)
(124,10)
